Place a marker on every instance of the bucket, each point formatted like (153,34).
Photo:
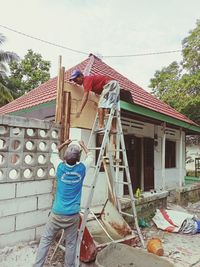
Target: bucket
(155,246)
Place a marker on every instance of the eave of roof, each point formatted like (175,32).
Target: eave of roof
(159,116)
(143,101)
(131,108)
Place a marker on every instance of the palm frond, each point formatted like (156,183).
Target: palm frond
(2,38)
(3,67)
(5,95)
(8,56)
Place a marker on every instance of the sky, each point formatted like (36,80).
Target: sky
(102,27)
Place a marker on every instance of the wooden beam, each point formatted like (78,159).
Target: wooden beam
(61,105)
(58,96)
(67,110)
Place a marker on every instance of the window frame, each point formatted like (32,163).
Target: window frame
(170,154)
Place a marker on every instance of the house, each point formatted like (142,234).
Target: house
(193,155)
(154,132)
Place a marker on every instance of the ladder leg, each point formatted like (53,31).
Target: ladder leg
(93,185)
(129,180)
(114,171)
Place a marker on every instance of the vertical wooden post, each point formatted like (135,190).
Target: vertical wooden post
(163,156)
(58,96)
(67,108)
(181,176)
(62,103)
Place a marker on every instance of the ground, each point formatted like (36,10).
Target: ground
(181,249)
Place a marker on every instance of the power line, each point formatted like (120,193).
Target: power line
(148,54)
(85,53)
(43,41)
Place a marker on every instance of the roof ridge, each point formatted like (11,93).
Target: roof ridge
(89,65)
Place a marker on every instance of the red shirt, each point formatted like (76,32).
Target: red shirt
(95,83)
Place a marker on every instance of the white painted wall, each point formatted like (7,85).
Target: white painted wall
(25,200)
(24,207)
(172,175)
(139,129)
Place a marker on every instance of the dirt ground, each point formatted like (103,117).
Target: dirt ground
(181,249)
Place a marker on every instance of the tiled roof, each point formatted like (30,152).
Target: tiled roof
(47,92)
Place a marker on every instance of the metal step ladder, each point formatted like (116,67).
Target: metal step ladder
(114,161)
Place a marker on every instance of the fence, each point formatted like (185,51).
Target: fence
(26,177)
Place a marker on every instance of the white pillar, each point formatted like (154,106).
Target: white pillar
(181,159)
(163,156)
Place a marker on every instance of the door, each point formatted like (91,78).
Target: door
(148,146)
(133,151)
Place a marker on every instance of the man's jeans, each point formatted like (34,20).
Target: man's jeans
(56,222)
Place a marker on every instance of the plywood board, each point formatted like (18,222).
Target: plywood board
(89,112)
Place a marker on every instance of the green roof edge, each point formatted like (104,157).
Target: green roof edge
(27,110)
(129,107)
(158,116)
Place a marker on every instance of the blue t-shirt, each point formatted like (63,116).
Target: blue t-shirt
(69,188)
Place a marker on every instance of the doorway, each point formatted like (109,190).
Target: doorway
(140,155)
(148,159)
(133,151)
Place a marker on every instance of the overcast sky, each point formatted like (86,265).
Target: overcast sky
(102,27)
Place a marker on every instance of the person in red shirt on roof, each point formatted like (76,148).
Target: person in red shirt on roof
(103,85)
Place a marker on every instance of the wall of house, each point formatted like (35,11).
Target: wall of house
(141,129)
(26,177)
(172,175)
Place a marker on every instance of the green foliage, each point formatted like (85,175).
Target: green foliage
(5,95)
(28,73)
(179,84)
(191,50)
(5,58)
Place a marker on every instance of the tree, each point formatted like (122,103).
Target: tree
(5,58)
(179,83)
(28,73)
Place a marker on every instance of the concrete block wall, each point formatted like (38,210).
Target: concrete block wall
(187,194)
(26,177)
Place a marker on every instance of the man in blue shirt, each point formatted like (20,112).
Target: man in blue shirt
(70,175)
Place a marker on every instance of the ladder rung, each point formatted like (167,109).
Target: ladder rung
(94,148)
(114,159)
(124,199)
(93,166)
(127,214)
(121,182)
(117,150)
(107,116)
(87,186)
(120,166)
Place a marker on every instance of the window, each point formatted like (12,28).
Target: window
(170,154)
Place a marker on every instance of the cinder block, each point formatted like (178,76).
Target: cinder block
(7,191)
(17,237)
(7,225)
(5,130)
(31,219)
(45,201)
(3,160)
(34,188)
(17,205)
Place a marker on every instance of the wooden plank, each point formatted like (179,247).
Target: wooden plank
(62,103)
(58,96)
(89,112)
(67,109)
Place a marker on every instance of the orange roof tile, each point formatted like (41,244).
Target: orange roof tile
(47,92)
